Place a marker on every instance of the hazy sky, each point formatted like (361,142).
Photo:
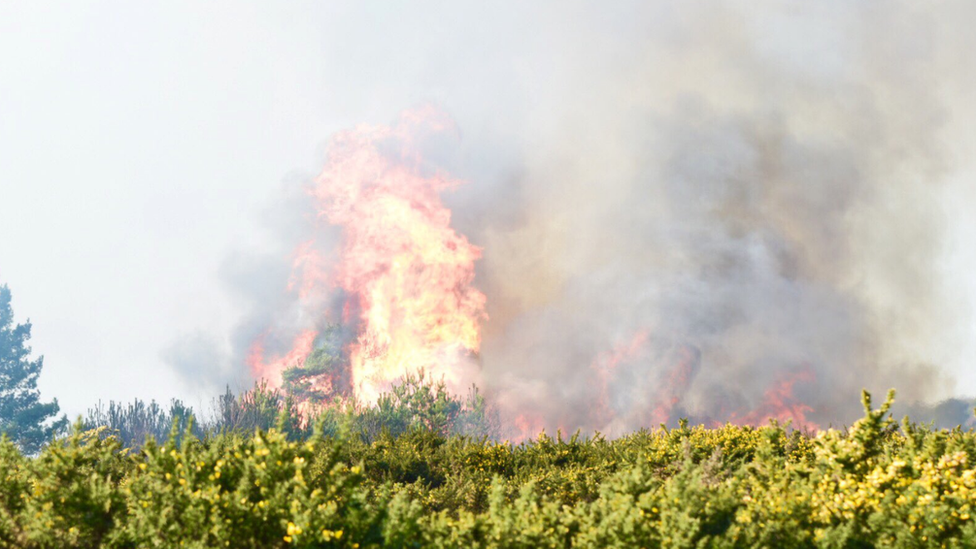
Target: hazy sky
(143,143)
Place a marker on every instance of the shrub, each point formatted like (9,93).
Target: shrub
(422,485)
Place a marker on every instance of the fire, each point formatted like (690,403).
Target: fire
(271,370)
(406,275)
(653,399)
(657,399)
(780,404)
(401,285)
(526,427)
(605,367)
(676,384)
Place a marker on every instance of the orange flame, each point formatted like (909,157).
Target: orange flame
(655,406)
(406,282)
(526,427)
(780,404)
(605,367)
(271,370)
(676,384)
(406,273)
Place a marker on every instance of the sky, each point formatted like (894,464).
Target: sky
(141,144)
(146,148)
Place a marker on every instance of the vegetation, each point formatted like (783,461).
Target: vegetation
(424,468)
(414,403)
(323,375)
(23,417)
(419,484)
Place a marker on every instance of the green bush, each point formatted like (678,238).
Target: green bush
(420,484)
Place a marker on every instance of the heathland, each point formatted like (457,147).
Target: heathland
(414,471)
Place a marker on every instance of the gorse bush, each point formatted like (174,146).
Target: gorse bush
(877,484)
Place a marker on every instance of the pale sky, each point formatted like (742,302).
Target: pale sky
(142,143)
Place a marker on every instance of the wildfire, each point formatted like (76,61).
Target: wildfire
(271,369)
(605,367)
(526,426)
(780,404)
(406,275)
(676,384)
(658,399)
(401,285)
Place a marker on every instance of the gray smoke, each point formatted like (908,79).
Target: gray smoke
(758,184)
(202,364)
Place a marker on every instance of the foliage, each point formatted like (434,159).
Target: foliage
(874,485)
(134,423)
(323,375)
(260,408)
(414,403)
(23,417)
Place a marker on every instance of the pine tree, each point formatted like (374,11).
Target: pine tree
(324,375)
(23,417)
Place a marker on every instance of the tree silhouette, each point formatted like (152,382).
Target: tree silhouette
(23,417)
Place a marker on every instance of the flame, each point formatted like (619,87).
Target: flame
(401,283)
(271,369)
(675,385)
(654,402)
(309,271)
(406,275)
(605,367)
(780,404)
(526,426)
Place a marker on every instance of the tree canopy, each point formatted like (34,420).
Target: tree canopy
(23,417)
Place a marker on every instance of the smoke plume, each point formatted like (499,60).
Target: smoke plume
(728,212)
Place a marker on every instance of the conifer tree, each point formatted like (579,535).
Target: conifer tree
(324,375)
(23,417)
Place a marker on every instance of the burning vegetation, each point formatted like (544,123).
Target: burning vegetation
(405,277)
(396,295)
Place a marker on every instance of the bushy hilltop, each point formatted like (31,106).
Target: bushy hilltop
(876,484)
(416,402)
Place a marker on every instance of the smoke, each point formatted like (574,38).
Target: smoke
(259,275)
(201,364)
(759,186)
(752,190)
